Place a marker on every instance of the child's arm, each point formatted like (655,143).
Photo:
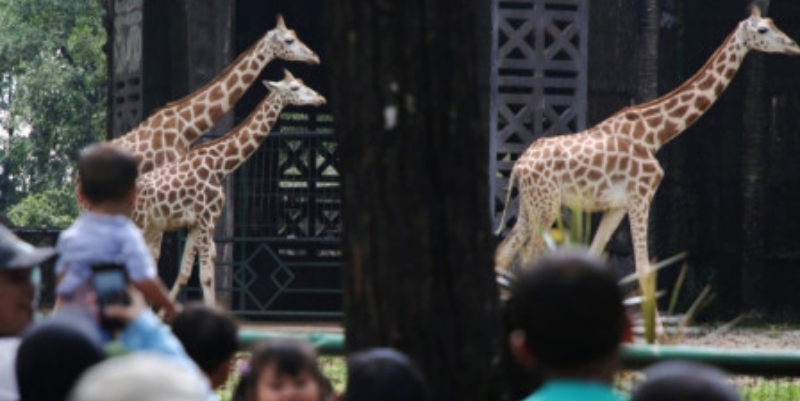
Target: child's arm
(155,292)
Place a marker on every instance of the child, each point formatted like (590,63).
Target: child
(567,318)
(210,336)
(383,374)
(105,233)
(284,370)
(683,380)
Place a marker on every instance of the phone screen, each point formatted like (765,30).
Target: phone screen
(109,285)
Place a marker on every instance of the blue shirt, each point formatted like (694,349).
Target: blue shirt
(147,333)
(94,239)
(575,390)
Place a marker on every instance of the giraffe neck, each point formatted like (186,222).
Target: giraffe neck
(202,109)
(659,121)
(233,149)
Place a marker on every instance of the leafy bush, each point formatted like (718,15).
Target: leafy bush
(54,208)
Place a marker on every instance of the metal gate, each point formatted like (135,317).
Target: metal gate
(539,80)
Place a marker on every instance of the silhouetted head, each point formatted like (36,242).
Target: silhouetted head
(681,380)
(566,312)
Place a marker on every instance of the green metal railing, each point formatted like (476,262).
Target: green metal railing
(634,356)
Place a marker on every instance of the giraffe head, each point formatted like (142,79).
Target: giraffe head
(293,91)
(762,34)
(283,42)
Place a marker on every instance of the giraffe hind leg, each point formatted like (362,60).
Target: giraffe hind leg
(208,256)
(609,224)
(508,248)
(187,262)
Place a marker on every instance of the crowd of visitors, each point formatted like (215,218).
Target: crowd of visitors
(566,320)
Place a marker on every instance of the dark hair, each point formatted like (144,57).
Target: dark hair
(683,380)
(54,353)
(209,335)
(570,308)
(383,374)
(288,356)
(106,173)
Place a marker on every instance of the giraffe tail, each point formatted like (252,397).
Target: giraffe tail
(511,179)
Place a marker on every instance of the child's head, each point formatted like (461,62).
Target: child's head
(679,380)
(566,313)
(107,175)
(283,370)
(383,374)
(210,337)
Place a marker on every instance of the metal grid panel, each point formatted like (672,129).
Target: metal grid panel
(126,66)
(538,79)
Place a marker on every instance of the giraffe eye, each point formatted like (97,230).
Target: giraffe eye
(289,41)
(295,88)
(762,30)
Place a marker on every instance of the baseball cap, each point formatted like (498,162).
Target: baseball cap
(18,254)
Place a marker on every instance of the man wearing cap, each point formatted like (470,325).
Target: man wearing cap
(17,294)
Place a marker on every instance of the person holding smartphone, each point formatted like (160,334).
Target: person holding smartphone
(105,235)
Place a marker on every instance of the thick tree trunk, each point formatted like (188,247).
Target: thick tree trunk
(413,131)
(754,159)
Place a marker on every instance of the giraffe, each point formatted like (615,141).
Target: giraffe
(189,193)
(166,135)
(611,167)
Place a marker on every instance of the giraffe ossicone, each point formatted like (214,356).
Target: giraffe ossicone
(189,194)
(611,167)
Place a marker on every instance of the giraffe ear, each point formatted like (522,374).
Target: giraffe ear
(270,85)
(287,76)
(755,11)
(281,24)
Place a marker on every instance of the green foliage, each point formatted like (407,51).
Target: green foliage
(53,208)
(52,92)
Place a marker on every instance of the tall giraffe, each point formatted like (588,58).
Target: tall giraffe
(166,136)
(189,193)
(611,167)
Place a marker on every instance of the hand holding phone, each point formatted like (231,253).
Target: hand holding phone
(110,282)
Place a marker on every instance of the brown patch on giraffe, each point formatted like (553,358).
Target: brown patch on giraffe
(248,77)
(172,197)
(573,164)
(634,171)
(718,88)
(197,109)
(232,80)
(691,118)
(623,163)
(651,111)
(253,65)
(671,103)
(559,165)
(631,115)
(216,94)
(598,160)
(230,164)
(686,97)
(706,83)
(611,162)
(720,68)
(732,57)
(702,103)
(655,121)
(649,168)
(729,73)
(643,191)
(186,115)
(639,130)
(580,171)
(159,159)
(216,112)
(611,145)
(236,94)
(594,175)
(680,111)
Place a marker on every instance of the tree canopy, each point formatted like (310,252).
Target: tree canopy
(52,98)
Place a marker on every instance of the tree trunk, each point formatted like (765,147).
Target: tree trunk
(754,158)
(413,131)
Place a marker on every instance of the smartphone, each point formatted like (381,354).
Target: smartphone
(110,282)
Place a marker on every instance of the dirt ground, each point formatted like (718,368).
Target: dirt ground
(762,338)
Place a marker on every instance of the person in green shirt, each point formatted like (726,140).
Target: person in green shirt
(567,319)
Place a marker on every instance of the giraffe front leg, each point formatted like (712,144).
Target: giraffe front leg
(187,261)
(638,215)
(208,257)
(609,223)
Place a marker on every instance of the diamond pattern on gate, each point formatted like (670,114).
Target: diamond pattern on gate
(538,79)
(245,276)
